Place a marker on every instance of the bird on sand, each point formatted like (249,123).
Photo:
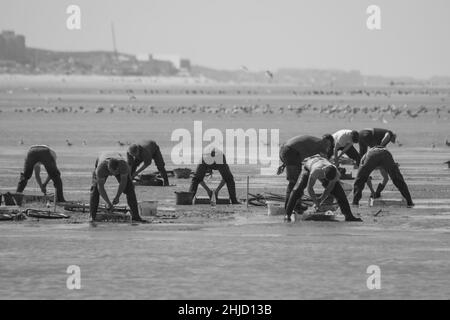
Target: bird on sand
(447,143)
(121,143)
(69,143)
(269,74)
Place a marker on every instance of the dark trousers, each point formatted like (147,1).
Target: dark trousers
(43,156)
(379,158)
(224,171)
(292,159)
(129,192)
(338,192)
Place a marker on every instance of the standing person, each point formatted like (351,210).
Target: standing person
(369,138)
(144,153)
(113,164)
(41,155)
(297,149)
(374,158)
(343,140)
(319,168)
(215,160)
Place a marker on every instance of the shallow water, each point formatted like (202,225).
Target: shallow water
(255,261)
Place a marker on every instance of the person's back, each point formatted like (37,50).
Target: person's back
(149,147)
(307,145)
(316,162)
(101,164)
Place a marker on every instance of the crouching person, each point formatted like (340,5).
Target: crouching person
(215,160)
(41,155)
(319,168)
(112,164)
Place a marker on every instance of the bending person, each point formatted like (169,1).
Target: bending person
(113,164)
(144,153)
(369,138)
(319,168)
(297,149)
(41,155)
(374,158)
(343,141)
(215,160)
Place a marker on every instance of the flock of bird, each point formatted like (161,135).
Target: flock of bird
(122,144)
(84,143)
(376,112)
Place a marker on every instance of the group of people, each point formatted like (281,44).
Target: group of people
(309,159)
(138,157)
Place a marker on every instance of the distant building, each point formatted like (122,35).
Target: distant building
(143,57)
(178,62)
(12,47)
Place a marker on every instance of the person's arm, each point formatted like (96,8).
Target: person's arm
(102,191)
(311,182)
(207,189)
(142,168)
(327,191)
(121,189)
(348,146)
(219,187)
(47,181)
(386,139)
(336,154)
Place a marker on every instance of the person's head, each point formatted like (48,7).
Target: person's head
(330,172)
(355,136)
(328,139)
(113,166)
(133,150)
(393,137)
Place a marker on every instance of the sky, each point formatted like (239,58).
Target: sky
(414,39)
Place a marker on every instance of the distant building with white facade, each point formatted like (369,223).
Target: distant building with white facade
(177,62)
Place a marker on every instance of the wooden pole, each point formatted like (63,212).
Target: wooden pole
(248,180)
(54,202)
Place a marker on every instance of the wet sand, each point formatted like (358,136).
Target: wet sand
(227,252)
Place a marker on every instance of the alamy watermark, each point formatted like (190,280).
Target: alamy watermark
(73,281)
(374,280)
(251,146)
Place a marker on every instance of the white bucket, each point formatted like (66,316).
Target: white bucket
(148,208)
(275,208)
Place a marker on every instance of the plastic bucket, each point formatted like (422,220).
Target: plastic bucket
(184,198)
(275,208)
(13,199)
(148,208)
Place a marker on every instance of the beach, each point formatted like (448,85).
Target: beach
(222,252)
